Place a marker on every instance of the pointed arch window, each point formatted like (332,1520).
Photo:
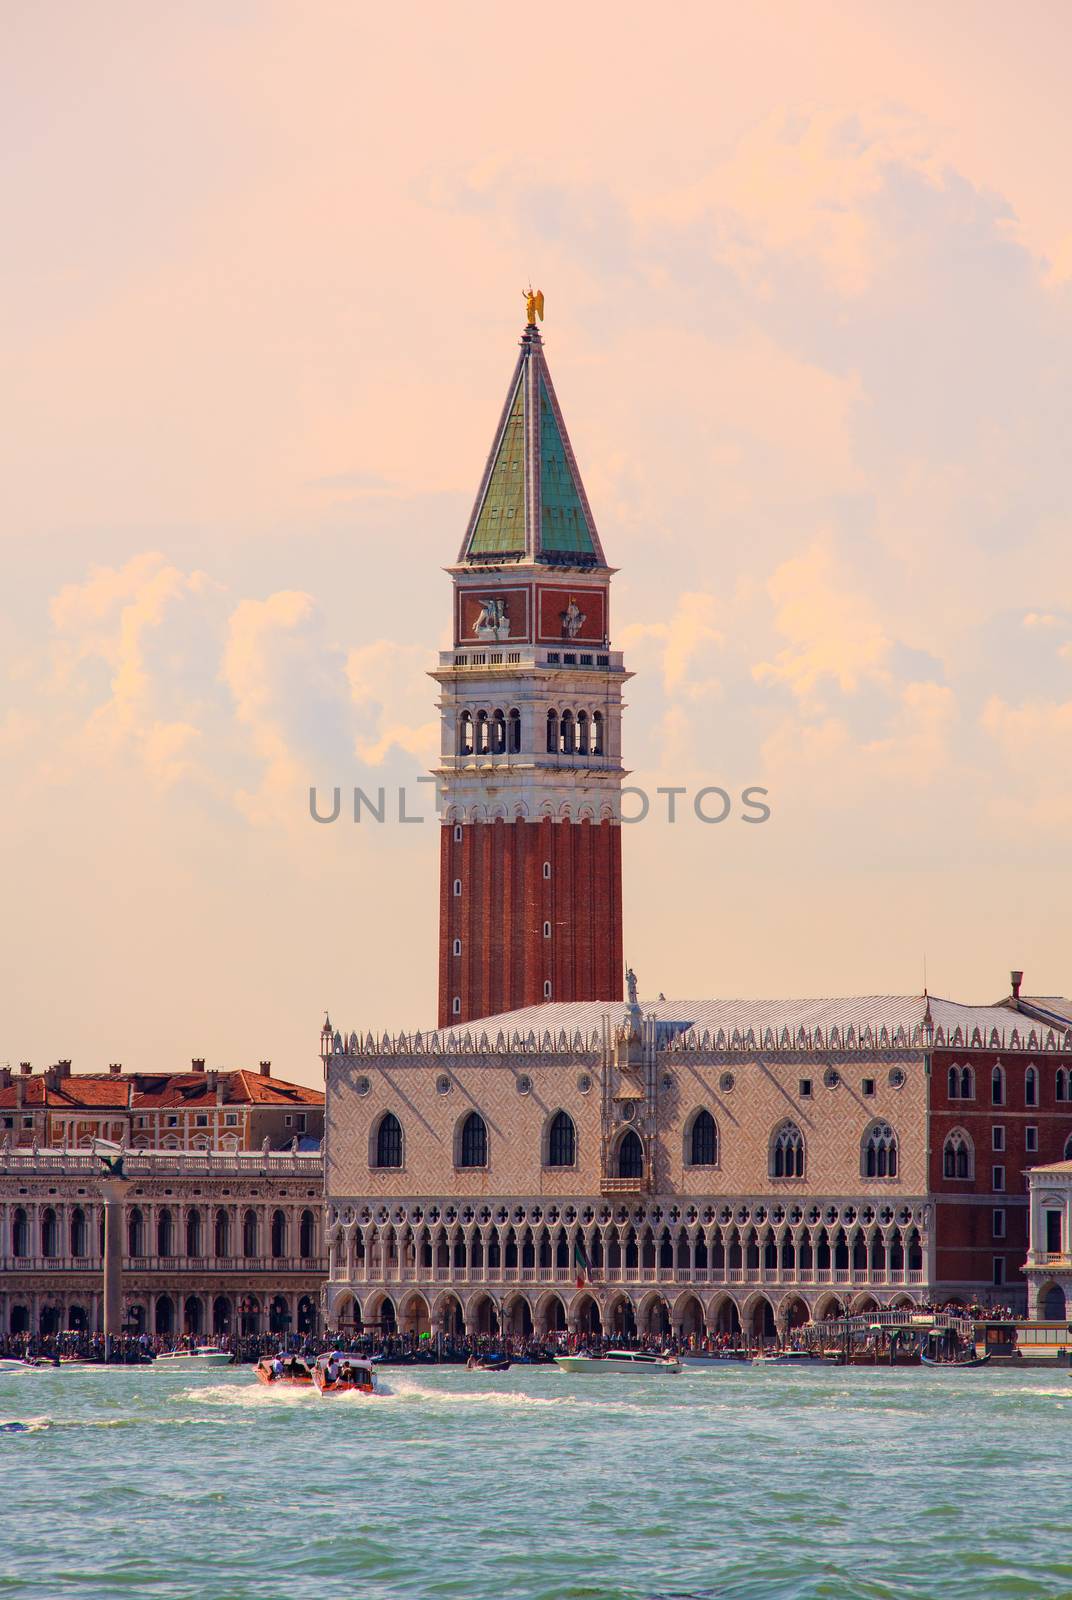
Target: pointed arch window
(787,1152)
(1031,1087)
(562,1141)
(703,1141)
(997,1086)
(1061,1089)
(631,1156)
(958,1157)
(880,1152)
(473,1150)
(515,732)
(389,1141)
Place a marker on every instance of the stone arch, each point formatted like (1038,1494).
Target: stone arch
(584,1315)
(627,1154)
(164,1315)
(482,1316)
(621,1322)
(222,1314)
(759,1318)
(517,1316)
(863,1304)
(700,1142)
(688,1315)
(903,1302)
(793,1312)
(550,1314)
(1052,1303)
(723,1315)
(413,1317)
(344,1310)
(447,1314)
(827,1306)
(653,1315)
(193,1315)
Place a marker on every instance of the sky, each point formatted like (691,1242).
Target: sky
(808,275)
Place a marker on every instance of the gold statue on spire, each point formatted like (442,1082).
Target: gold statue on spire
(533,305)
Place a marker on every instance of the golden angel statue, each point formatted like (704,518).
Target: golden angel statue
(533,305)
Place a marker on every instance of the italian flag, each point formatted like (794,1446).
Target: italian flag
(581,1262)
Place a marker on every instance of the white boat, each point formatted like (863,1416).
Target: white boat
(638,1361)
(205,1355)
(12,1364)
(787,1358)
(342,1372)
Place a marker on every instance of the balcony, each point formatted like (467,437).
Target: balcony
(641,1185)
(132,1265)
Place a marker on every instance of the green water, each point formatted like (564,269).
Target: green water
(730,1483)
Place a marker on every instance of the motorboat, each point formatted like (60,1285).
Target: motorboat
(340,1372)
(637,1361)
(713,1358)
(488,1364)
(947,1366)
(201,1356)
(788,1358)
(285,1369)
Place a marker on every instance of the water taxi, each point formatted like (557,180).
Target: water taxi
(488,1364)
(285,1369)
(340,1372)
(203,1355)
(636,1361)
(788,1358)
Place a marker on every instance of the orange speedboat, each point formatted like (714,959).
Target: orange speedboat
(284,1369)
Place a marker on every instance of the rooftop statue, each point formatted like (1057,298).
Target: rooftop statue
(631,984)
(533,306)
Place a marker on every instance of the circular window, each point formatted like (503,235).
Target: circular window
(362,1086)
(668,1082)
(524,1083)
(584,1083)
(535,1215)
(831,1078)
(726,1082)
(442,1084)
(896,1078)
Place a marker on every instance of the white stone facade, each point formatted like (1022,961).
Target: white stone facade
(1048,1267)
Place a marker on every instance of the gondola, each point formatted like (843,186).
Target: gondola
(971,1361)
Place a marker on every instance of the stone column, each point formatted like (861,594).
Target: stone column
(113,1190)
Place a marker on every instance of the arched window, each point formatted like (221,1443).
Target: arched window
(1068,1149)
(957,1156)
(20,1233)
(135,1233)
(465,734)
(552,733)
(954,1083)
(631,1155)
(787,1152)
(1061,1091)
(306,1235)
(967,1083)
(78,1232)
(561,1141)
(498,734)
(880,1152)
(515,732)
(279,1234)
(582,732)
(164,1233)
(597,733)
(193,1233)
(703,1141)
(50,1241)
(249,1235)
(997,1086)
(567,733)
(481,733)
(389,1141)
(222,1238)
(473,1150)
(1031,1087)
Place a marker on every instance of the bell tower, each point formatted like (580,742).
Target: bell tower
(530,771)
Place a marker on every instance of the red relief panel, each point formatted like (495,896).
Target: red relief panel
(574,614)
(492,616)
(506,899)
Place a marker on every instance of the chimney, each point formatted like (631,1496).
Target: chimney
(1017,979)
(63,1068)
(5,1077)
(115,1069)
(197,1065)
(266,1069)
(25,1068)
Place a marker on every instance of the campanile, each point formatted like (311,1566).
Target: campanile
(531,702)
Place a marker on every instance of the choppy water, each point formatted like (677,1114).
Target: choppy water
(726,1484)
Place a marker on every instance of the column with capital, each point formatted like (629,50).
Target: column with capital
(113,1189)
